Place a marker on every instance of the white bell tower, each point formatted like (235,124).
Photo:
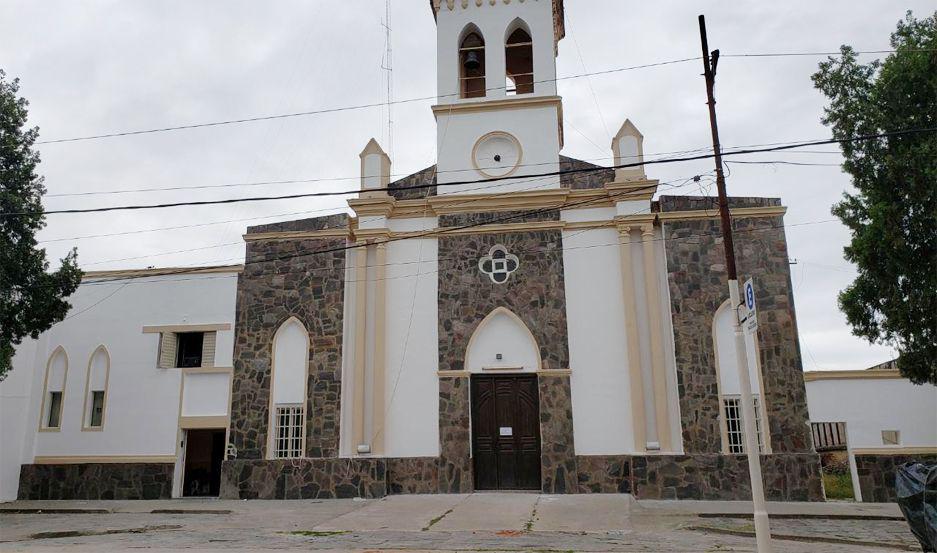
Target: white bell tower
(497,111)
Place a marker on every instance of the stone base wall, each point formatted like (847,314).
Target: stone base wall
(787,477)
(877,475)
(408,475)
(93,481)
(604,473)
(303,478)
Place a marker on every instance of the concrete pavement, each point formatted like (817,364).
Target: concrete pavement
(473,522)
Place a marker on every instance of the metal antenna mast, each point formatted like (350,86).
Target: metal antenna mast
(388,67)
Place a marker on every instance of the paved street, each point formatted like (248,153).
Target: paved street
(476,522)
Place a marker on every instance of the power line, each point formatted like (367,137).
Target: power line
(193,270)
(426,98)
(474,181)
(338,109)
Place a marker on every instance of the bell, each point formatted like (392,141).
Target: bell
(471,61)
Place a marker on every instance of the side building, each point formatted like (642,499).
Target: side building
(128,397)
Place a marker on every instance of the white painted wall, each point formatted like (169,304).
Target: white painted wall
(600,384)
(143,401)
(17,429)
(206,394)
(494,22)
(411,389)
(535,129)
(868,406)
(501,332)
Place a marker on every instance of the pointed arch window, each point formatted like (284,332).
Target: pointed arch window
(519,63)
(99,368)
(287,436)
(53,394)
(472,66)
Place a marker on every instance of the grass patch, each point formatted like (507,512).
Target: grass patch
(837,486)
(317,533)
(435,520)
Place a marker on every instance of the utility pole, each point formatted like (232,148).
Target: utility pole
(762,527)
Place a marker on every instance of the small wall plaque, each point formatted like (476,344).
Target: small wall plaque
(506,431)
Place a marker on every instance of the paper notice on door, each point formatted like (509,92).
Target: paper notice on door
(506,431)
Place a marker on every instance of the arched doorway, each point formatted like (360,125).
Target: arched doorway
(503,358)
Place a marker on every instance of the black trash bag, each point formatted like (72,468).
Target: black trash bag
(916,486)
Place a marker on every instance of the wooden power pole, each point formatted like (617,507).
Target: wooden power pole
(762,527)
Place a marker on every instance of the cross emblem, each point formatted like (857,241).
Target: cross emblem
(498,264)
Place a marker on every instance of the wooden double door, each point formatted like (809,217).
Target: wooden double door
(506,432)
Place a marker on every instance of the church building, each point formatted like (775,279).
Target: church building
(506,319)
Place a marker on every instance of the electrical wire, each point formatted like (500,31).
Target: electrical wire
(473,181)
(428,98)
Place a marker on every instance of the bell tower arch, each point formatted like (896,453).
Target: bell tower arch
(497,111)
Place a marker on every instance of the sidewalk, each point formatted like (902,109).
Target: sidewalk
(473,522)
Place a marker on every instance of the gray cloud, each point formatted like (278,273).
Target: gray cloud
(101,66)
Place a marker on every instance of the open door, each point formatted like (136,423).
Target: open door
(204,451)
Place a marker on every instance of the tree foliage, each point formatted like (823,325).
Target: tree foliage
(31,298)
(892,214)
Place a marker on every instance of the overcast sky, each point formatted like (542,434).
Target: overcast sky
(92,67)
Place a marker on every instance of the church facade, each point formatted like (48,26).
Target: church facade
(508,318)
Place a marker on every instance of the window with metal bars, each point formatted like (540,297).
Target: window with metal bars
(289,431)
(732,409)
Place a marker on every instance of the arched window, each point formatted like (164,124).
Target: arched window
(519,62)
(99,368)
(53,394)
(288,391)
(472,65)
(730,393)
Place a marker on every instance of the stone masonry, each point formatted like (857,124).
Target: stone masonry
(303,478)
(877,474)
(283,278)
(535,292)
(93,481)
(696,276)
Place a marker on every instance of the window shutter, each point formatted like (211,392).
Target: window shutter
(208,349)
(167,350)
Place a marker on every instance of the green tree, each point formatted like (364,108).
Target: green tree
(892,214)
(31,298)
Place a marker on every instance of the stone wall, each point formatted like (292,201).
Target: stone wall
(604,473)
(94,481)
(455,473)
(877,474)
(787,477)
(303,478)
(536,293)
(406,475)
(557,452)
(696,278)
(283,278)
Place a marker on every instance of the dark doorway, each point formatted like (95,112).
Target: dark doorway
(204,450)
(506,432)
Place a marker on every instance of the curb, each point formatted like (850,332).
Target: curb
(804,516)
(806,539)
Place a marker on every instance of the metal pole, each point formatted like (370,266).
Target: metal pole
(762,527)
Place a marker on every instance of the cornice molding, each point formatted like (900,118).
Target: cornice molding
(738,212)
(896,450)
(298,235)
(872,374)
(211,327)
(162,271)
(525,102)
(77,459)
